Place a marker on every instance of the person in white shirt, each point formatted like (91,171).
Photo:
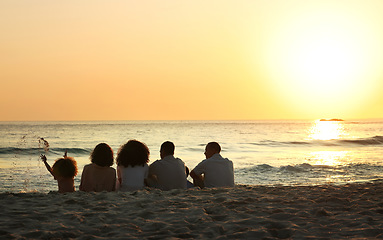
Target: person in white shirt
(168,172)
(132,166)
(214,171)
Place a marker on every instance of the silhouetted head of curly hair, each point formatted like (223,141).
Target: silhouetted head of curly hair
(133,153)
(65,167)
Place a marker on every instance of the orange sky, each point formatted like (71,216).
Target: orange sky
(175,60)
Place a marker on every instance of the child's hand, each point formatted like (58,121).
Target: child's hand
(65,154)
(43,157)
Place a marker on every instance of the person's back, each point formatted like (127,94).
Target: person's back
(214,171)
(96,178)
(132,178)
(132,167)
(99,175)
(218,171)
(170,173)
(65,184)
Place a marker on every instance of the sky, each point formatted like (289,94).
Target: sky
(190,60)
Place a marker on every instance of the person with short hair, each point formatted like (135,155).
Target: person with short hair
(63,170)
(168,172)
(132,165)
(214,171)
(99,176)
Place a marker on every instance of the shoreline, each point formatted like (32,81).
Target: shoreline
(352,210)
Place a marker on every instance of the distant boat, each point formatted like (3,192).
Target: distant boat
(332,120)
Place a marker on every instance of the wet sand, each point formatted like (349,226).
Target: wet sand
(242,212)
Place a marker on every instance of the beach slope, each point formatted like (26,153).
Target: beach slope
(251,212)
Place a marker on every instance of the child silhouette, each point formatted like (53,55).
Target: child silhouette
(63,170)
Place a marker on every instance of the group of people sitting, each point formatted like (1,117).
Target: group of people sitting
(134,173)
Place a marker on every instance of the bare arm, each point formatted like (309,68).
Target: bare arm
(44,159)
(197,179)
(194,175)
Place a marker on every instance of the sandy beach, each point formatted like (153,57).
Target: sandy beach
(243,212)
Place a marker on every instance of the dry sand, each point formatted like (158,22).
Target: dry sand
(243,212)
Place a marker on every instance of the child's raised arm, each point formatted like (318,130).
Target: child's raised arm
(44,159)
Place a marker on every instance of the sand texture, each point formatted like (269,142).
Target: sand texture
(243,212)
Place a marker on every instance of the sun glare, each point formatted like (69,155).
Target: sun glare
(324,64)
(323,60)
(327,130)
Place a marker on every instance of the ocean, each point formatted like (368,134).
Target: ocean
(263,152)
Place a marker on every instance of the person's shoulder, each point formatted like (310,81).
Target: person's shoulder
(219,156)
(204,161)
(179,160)
(111,171)
(228,160)
(155,163)
(169,159)
(88,166)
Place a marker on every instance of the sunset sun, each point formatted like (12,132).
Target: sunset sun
(326,60)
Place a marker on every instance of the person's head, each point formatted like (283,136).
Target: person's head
(167,148)
(65,167)
(133,153)
(211,149)
(102,155)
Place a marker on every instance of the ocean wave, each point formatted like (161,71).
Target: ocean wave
(31,151)
(371,141)
(306,167)
(376,140)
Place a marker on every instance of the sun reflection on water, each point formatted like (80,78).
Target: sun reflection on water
(327,130)
(329,158)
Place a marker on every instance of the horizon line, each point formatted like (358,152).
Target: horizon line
(194,120)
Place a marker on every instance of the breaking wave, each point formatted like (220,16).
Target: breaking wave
(34,151)
(372,141)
